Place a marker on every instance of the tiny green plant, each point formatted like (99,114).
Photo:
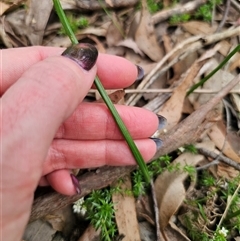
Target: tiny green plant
(190,148)
(205,11)
(222,190)
(155,168)
(207,180)
(100,212)
(75,24)
(139,185)
(154,6)
(182,18)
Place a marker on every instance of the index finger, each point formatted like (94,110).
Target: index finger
(113,71)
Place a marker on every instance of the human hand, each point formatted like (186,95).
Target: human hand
(46,130)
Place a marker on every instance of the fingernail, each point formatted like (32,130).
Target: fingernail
(158,142)
(83,54)
(140,73)
(76,183)
(162,121)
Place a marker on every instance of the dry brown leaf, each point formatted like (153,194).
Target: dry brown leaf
(199,27)
(236,102)
(131,44)
(182,65)
(226,171)
(217,135)
(224,50)
(170,190)
(36,20)
(3,7)
(14,30)
(215,83)
(144,209)
(174,233)
(146,64)
(116,96)
(90,234)
(113,35)
(125,213)
(172,109)
(145,36)
(109,2)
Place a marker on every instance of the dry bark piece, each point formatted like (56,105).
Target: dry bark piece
(62,220)
(125,212)
(90,234)
(96,5)
(39,231)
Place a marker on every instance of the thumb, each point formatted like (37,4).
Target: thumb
(32,110)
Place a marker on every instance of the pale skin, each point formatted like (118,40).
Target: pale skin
(46,130)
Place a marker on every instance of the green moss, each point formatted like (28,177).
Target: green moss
(180,18)
(75,23)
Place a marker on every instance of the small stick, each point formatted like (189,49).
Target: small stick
(177,9)
(224,16)
(220,157)
(156,211)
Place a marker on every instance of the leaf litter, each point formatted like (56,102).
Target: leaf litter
(174,57)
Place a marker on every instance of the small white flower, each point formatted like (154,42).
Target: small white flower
(83,211)
(181,149)
(76,209)
(223,232)
(78,206)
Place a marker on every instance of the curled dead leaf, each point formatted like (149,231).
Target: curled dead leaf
(170,190)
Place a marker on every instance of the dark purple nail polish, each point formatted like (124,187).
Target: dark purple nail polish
(83,54)
(140,73)
(158,142)
(162,122)
(76,183)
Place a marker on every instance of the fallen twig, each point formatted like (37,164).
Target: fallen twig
(224,16)
(156,211)
(219,157)
(235,5)
(177,9)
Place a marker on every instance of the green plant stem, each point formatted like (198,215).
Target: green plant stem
(201,82)
(137,155)
(124,130)
(64,21)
